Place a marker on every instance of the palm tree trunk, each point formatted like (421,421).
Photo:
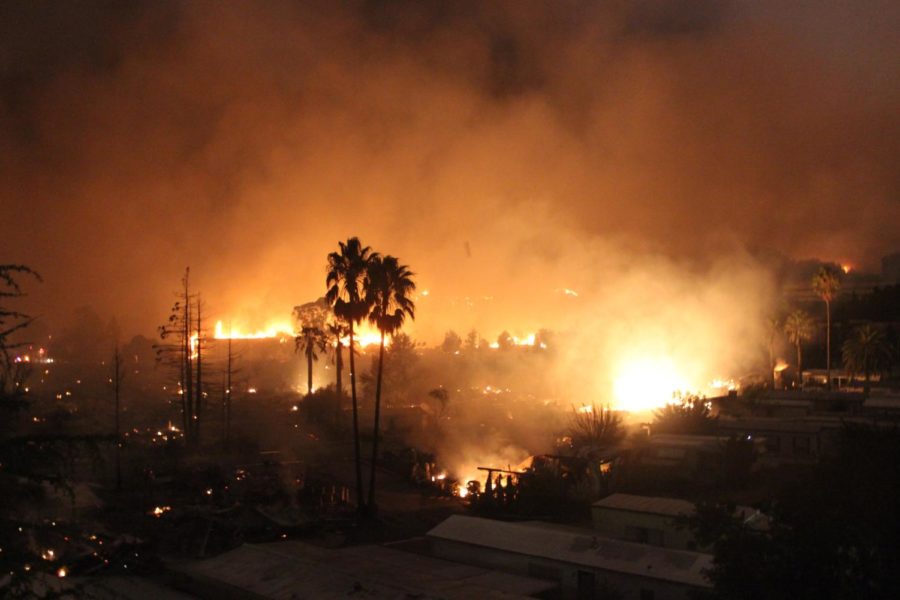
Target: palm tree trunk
(360,502)
(372,507)
(799,366)
(828,342)
(339,367)
(309,357)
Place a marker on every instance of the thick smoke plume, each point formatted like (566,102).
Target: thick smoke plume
(506,151)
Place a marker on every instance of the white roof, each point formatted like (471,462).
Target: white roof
(577,547)
(295,570)
(672,507)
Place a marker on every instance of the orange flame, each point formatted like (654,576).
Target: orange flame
(364,334)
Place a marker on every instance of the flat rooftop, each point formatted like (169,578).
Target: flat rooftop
(295,570)
(577,547)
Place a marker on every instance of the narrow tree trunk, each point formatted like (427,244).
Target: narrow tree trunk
(309,361)
(188,385)
(799,366)
(360,502)
(188,372)
(828,342)
(199,393)
(339,366)
(373,509)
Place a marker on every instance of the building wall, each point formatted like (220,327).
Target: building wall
(644,528)
(630,587)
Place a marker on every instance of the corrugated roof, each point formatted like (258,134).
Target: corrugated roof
(294,570)
(584,548)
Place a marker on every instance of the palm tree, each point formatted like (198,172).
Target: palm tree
(389,288)
(691,416)
(310,340)
(866,351)
(346,295)
(336,332)
(798,327)
(593,431)
(826,283)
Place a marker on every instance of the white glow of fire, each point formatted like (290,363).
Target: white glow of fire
(647,383)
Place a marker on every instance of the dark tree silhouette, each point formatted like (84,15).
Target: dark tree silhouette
(832,533)
(826,283)
(335,332)
(389,289)
(773,329)
(452,342)
(346,296)
(185,353)
(310,341)
(691,416)
(798,327)
(228,385)
(594,430)
(866,351)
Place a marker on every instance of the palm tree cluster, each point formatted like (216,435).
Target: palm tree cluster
(363,284)
(691,416)
(866,351)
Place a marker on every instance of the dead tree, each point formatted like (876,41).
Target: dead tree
(186,355)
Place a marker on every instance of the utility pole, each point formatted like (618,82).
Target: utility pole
(188,378)
(199,398)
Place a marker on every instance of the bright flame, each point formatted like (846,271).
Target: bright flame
(647,384)
(274,330)
(364,334)
(846,268)
(528,340)
(781,366)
